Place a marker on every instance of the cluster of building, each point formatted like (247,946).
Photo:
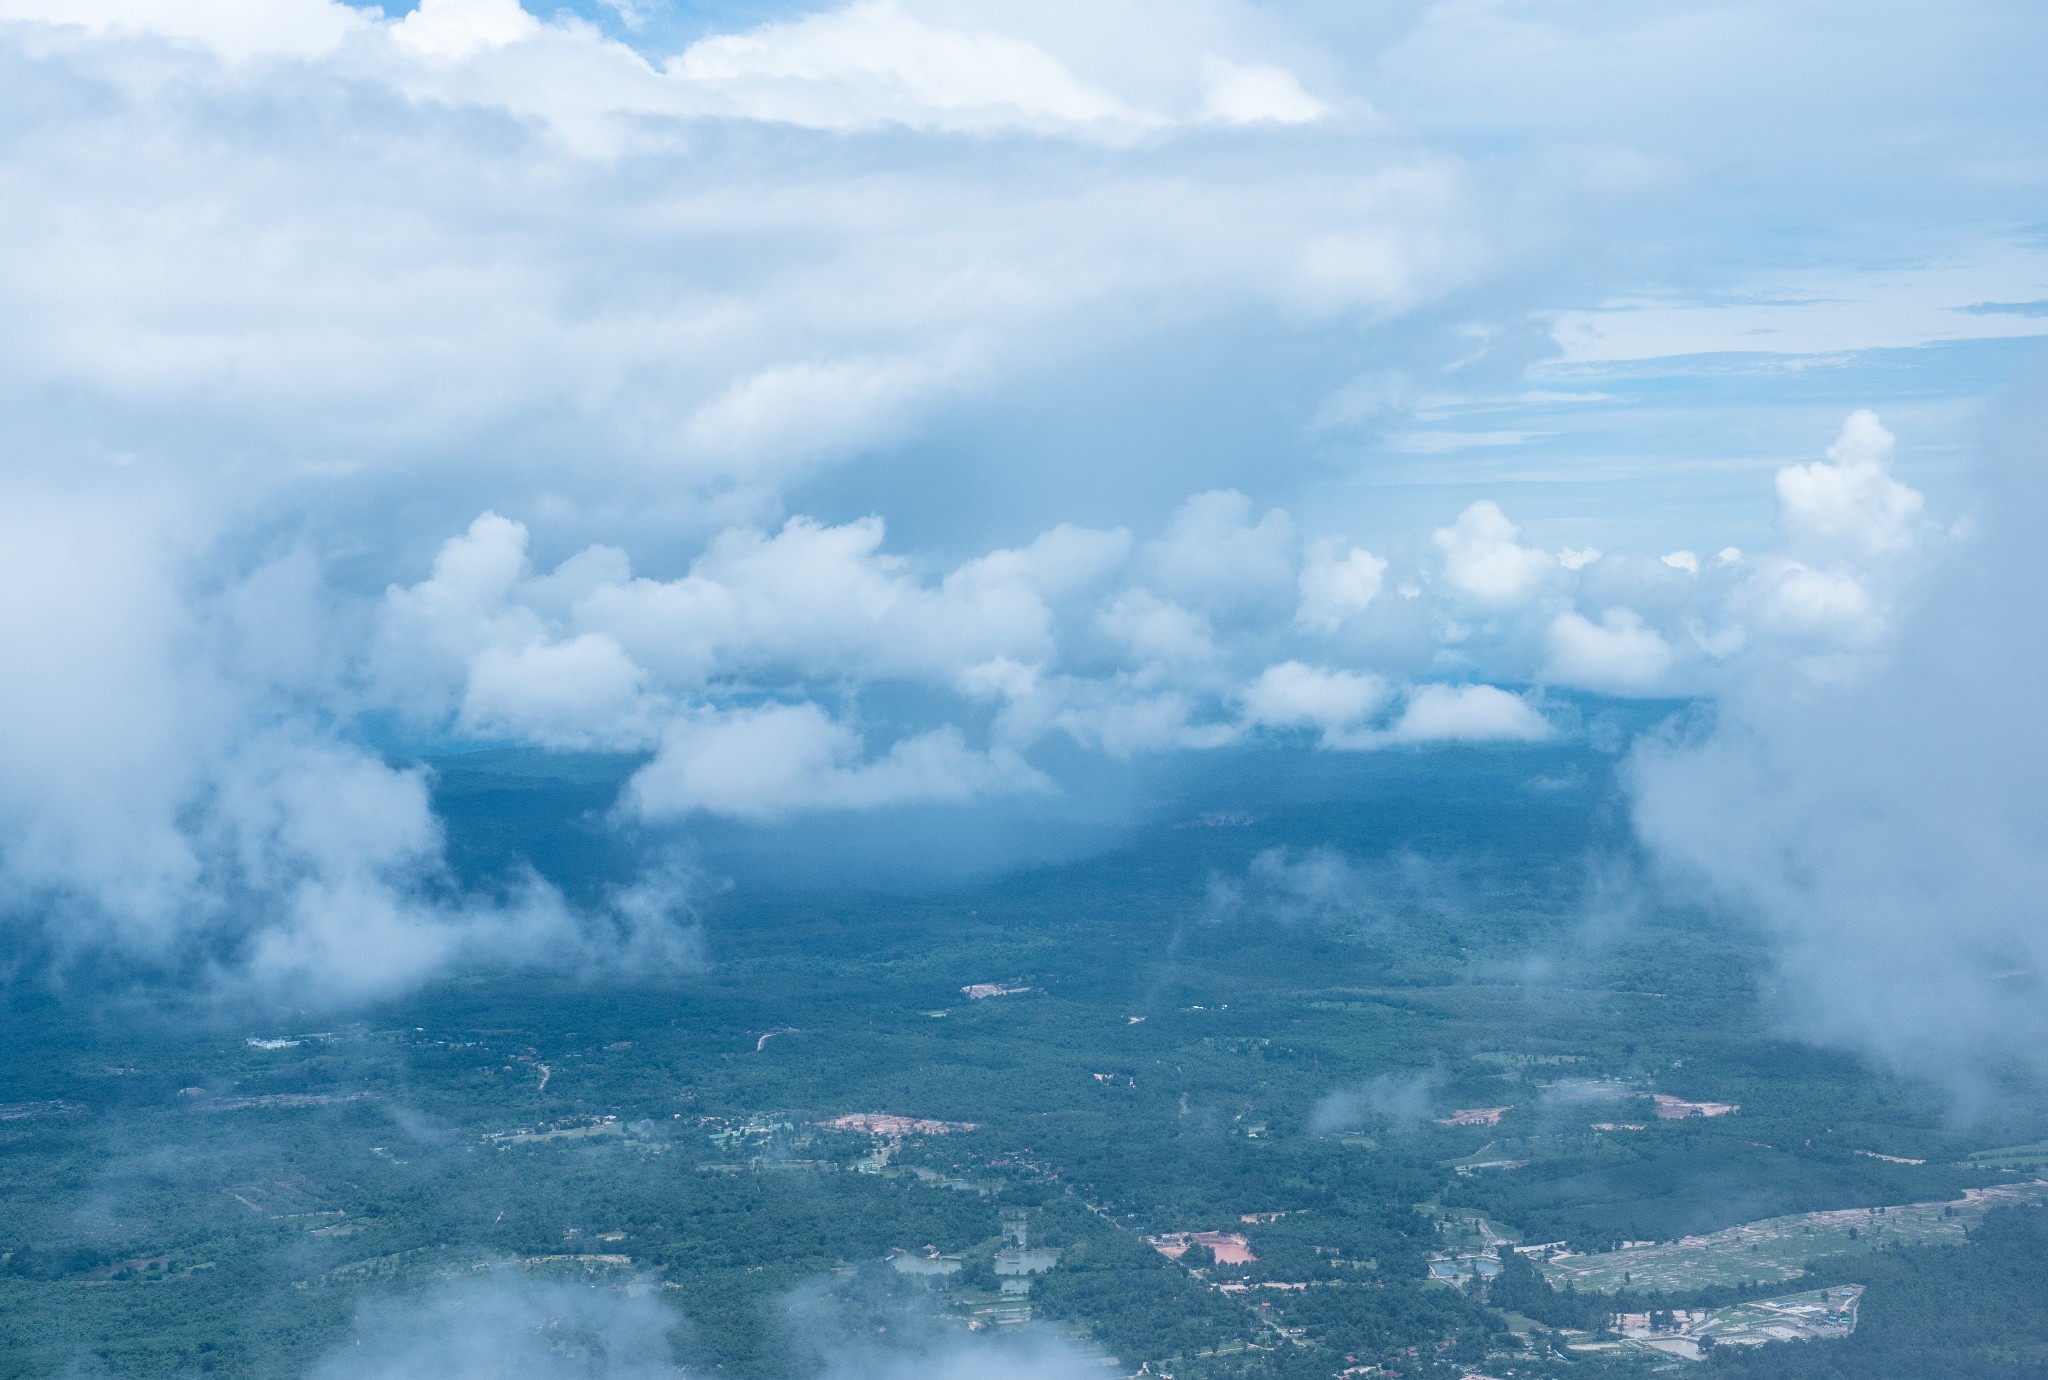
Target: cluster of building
(1224,1247)
(1669,1108)
(895,1127)
(1688,1333)
(1015,1262)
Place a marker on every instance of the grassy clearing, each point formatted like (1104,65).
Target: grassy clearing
(1778,1248)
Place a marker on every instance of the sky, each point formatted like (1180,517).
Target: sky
(846,407)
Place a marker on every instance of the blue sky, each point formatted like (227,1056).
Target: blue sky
(708,382)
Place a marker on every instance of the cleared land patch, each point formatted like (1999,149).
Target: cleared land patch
(2021,1157)
(1816,1315)
(1778,1248)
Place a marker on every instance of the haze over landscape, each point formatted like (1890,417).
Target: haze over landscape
(925,688)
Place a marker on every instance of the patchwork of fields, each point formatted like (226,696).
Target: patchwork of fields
(1778,1248)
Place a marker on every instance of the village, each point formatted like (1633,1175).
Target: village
(1216,1257)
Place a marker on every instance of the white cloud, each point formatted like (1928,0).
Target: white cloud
(236,29)
(165,802)
(807,601)
(1337,584)
(1058,564)
(106,724)
(1833,606)
(1051,634)
(1158,632)
(1256,93)
(1617,654)
(873,62)
(820,600)
(428,632)
(480,260)
(583,692)
(697,331)
(1855,540)
(1885,827)
(1467,714)
(1286,886)
(1851,500)
(1483,559)
(1294,695)
(778,760)
(789,416)
(1122,719)
(1213,556)
(451,29)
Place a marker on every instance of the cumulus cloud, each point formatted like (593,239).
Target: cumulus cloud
(583,692)
(1884,827)
(168,802)
(213,721)
(1294,695)
(1483,558)
(1854,543)
(592,655)
(1617,654)
(684,325)
(1468,714)
(1337,583)
(1060,639)
(457,28)
(1121,714)
(1213,556)
(1851,499)
(1158,633)
(765,763)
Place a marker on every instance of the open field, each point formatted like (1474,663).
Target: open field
(2025,1158)
(1816,1315)
(1778,1248)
